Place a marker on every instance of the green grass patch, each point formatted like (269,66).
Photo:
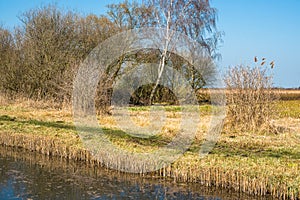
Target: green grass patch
(288,108)
(203,109)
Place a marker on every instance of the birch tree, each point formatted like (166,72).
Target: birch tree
(194,18)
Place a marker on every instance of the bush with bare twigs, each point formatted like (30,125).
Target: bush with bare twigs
(250,97)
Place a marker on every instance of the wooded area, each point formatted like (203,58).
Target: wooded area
(39,59)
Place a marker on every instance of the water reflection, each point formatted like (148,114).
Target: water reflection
(25,175)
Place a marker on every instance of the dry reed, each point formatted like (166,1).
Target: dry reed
(254,164)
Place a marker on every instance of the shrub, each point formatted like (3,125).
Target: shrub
(250,97)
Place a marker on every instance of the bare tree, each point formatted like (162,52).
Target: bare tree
(49,43)
(194,18)
(40,58)
(10,65)
(55,42)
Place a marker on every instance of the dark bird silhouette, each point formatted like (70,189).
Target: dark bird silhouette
(263,59)
(255,59)
(262,63)
(272,64)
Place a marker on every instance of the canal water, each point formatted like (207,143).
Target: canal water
(28,175)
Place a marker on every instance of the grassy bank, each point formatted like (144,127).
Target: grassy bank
(257,164)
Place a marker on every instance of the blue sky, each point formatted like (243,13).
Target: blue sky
(263,28)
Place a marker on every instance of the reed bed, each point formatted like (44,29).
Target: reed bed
(255,177)
(82,175)
(256,164)
(288,94)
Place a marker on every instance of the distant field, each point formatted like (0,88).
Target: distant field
(283,94)
(288,94)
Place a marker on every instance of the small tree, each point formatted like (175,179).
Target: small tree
(250,97)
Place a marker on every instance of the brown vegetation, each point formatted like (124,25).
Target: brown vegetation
(40,59)
(254,163)
(288,94)
(250,98)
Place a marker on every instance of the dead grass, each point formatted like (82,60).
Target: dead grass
(254,163)
(289,94)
